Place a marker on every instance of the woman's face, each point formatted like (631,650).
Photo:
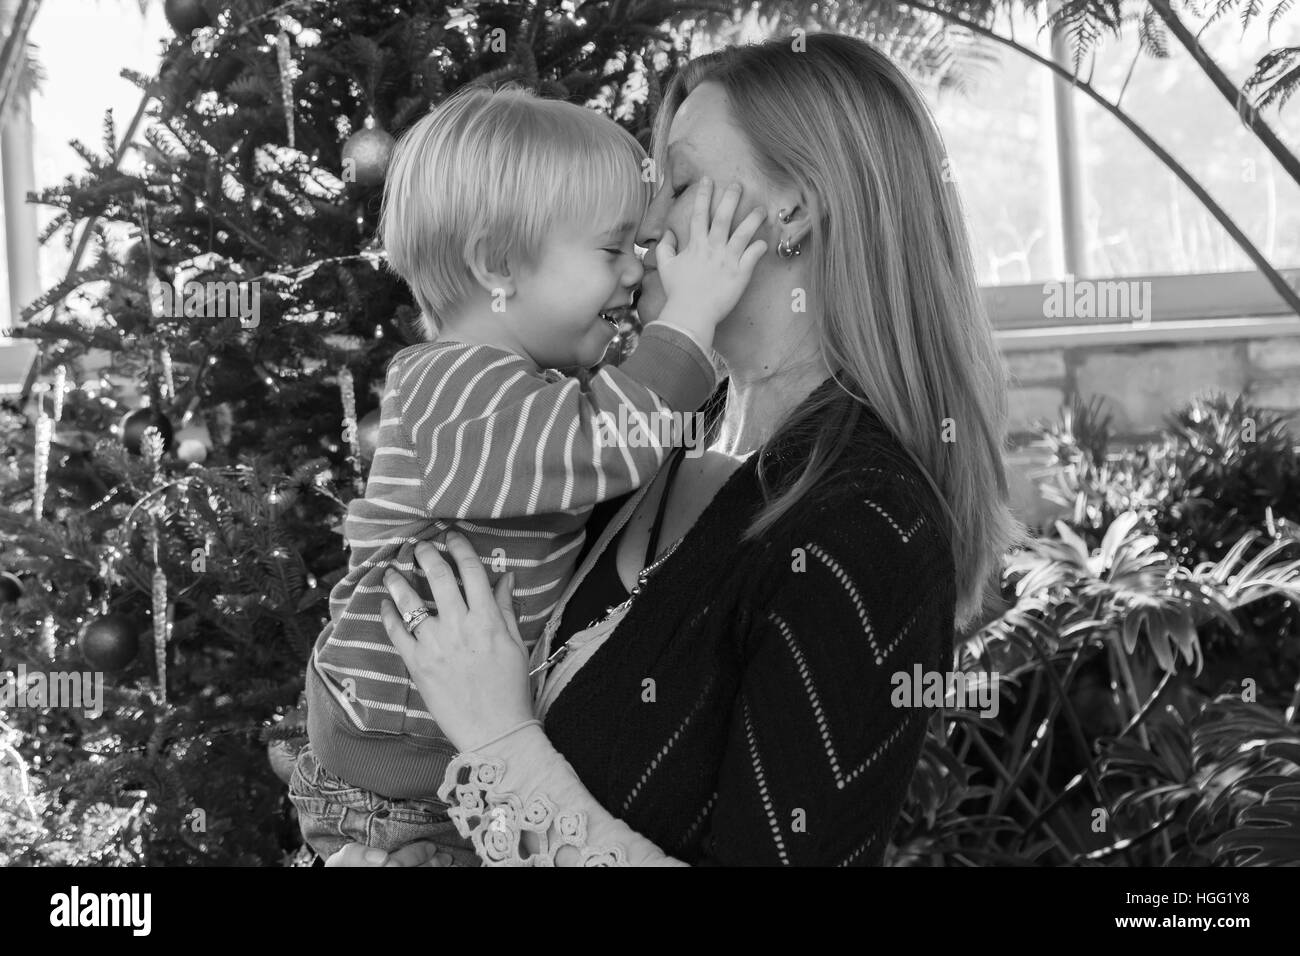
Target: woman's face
(702,142)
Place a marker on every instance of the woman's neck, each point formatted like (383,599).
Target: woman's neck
(758,401)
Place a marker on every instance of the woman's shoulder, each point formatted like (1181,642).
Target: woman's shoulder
(874,487)
(865,550)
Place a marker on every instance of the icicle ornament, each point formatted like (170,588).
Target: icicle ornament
(46,642)
(161,629)
(60,386)
(347,389)
(44,437)
(168,379)
(288,73)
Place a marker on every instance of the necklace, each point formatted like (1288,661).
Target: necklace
(651,546)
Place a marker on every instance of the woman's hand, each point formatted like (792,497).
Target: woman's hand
(422,853)
(467,661)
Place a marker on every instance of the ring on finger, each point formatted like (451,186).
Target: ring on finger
(412,620)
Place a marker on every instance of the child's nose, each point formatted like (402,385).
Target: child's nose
(635,272)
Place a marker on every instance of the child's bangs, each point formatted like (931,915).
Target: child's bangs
(604,186)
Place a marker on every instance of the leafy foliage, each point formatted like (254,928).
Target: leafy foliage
(1149,693)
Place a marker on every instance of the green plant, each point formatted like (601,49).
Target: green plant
(1106,749)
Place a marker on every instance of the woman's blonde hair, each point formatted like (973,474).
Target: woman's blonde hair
(903,326)
(506,165)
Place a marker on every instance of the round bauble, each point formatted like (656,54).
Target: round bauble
(11,588)
(193,441)
(109,643)
(185,16)
(192,450)
(365,156)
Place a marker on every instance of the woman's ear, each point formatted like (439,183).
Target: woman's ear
(490,272)
(797,218)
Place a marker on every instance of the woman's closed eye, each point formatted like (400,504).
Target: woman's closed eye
(681,189)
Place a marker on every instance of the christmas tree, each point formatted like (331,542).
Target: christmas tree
(173,490)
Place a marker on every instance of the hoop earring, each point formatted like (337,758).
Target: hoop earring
(783,248)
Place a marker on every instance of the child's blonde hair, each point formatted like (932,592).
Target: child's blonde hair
(509,166)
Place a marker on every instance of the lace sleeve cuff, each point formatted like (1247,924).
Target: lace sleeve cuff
(505,830)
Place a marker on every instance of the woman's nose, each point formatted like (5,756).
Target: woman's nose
(652,223)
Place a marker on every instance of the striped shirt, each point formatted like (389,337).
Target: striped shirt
(474,438)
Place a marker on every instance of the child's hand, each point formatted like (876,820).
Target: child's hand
(706,279)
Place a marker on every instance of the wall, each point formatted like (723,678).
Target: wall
(1142,381)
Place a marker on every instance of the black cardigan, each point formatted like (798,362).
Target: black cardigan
(768,735)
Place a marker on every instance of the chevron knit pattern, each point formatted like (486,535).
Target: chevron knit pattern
(741,713)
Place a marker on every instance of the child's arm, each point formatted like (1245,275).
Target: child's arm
(528,447)
(496,441)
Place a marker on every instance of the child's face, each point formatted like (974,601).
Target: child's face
(555,312)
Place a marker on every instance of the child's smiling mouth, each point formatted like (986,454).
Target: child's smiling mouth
(617,317)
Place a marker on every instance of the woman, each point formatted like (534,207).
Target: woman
(736,704)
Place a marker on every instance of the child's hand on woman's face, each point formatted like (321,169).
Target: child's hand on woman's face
(704,281)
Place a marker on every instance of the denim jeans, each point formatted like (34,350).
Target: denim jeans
(332,814)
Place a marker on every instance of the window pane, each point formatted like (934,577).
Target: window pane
(1001,143)
(1141,218)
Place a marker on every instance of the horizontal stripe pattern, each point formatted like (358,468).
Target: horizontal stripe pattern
(472,438)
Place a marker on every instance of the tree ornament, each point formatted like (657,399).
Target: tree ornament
(60,386)
(46,643)
(152,448)
(192,450)
(204,41)
(162,626)
(134,425)
(11,588)
(168,376)
(368,435)
(193,440)
(41,463)
(347,390)
(288,73)
(109,642)
(185,16)
(366,154)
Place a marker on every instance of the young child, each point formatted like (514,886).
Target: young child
(512,219)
